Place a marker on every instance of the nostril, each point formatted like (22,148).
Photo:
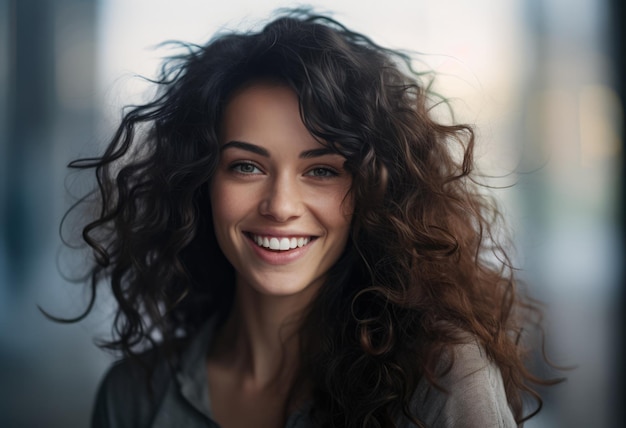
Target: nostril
(281,207)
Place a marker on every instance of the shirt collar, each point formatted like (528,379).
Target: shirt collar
(193,378)
(192,374)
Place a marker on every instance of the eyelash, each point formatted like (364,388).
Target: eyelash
(327,172)
(237,167)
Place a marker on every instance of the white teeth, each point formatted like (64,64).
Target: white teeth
(280,244)
(284,244)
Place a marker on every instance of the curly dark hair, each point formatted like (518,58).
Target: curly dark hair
(422,262)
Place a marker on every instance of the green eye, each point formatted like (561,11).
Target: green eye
(322,172)
(246,168)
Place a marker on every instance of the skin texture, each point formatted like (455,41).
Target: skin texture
(293,189)
(275,181)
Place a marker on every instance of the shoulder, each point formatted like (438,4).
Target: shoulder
(170,391)
(473,392)
(129,393)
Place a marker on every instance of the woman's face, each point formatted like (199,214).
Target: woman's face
(281,209)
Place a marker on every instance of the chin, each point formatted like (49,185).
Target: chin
(285,287)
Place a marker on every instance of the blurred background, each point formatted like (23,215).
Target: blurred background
(542,80)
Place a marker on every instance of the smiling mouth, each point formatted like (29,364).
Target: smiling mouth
(280,243)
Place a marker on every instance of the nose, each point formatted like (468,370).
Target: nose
(282,199)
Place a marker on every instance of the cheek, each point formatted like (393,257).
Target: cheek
(224,201)
(216,201)
(342,207)
(223,209)
(336,210)
(224,217)
(347,206)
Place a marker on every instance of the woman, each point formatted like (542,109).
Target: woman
(293,240)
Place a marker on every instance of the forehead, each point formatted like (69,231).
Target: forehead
(262,113)
(259,96)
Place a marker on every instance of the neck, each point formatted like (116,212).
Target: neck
(260,337)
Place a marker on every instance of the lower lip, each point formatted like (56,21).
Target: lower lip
(279,257)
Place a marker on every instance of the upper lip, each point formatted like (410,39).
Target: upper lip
(279,233)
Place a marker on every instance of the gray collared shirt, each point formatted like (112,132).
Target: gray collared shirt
(180,397)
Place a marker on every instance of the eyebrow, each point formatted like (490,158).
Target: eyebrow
(307,154)
(246,146)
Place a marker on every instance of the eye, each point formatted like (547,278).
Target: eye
(322,172)
(245,168)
